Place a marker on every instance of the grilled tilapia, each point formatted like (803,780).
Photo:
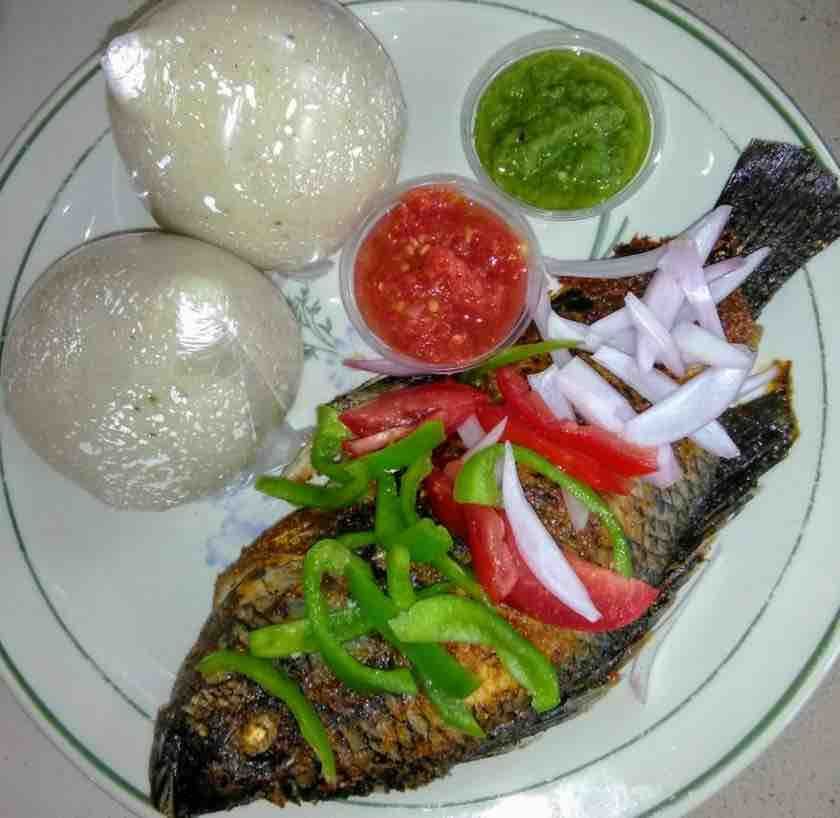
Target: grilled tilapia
(220,743)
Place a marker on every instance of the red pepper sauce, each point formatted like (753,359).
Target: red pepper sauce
(441,278)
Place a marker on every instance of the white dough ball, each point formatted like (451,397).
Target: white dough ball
(263,126)
(150,368)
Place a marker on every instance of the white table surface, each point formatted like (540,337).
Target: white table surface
(798,42)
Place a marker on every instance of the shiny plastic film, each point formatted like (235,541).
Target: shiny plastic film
(263,127)
(153,369)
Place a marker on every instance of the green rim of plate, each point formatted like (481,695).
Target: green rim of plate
(827,647)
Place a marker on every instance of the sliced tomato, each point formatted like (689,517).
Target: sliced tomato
(483,528)
(622,457)
(619,600)
(505,575)
(405,407)
(492,559)
(579,465)
(614,453)
(439,488)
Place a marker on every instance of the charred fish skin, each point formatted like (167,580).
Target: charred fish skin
(782,197)
(202,761)
(224,742)
(203,758)
(687,516)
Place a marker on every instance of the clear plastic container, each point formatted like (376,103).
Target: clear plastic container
(579,42)
(489,198)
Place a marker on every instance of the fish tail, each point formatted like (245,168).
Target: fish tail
(783,197)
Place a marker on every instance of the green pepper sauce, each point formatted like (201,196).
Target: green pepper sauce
(562,130)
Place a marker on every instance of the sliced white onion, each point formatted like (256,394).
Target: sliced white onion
(543,310)
(756,385)
(715,439)
(691,407)
(382,366)
(560,328)
(729,280)
(760,379)
(722,277)
(597,401)
(721,268)
(545,384)
(608,327)
(620,267)
(641,671)
(538,548)
(652,385)
(655,386)
(704,232)
(750,262)
(553,327)
(698,345)
(489,439)
(693,282)
(668,471)
(578,512)
(625,341)
(470,431)
(663,297)
(654,341)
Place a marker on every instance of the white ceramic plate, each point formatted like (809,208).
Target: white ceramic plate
(98,607)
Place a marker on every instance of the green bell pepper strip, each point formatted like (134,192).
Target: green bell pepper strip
(277,683)
(452,711)
(460,577)
(330,433)
(432,662)
(423,440)
(330,557)
(357,539)
(435,589)
(324,497)
(414,475)
(513,355)
(452,618)
(622,553)
(295,636)
(426,540)
(398,564)
(476,483)
(388,517)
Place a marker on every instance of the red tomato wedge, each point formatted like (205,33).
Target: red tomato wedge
(406,407)
(577,464)
(439,487)
(609,449)
(482,527)
(505,575)
(492,560)
(619,600)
